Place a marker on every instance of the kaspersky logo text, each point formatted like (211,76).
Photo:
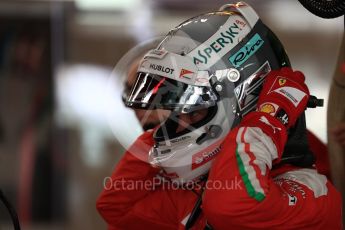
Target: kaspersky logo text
(215,46)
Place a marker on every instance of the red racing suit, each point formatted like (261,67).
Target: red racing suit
(243,191)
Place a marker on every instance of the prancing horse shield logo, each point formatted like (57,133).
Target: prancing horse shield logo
(282,81)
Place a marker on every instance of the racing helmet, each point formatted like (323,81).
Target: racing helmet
(215,61)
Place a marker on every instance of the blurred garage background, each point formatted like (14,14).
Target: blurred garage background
(57,143)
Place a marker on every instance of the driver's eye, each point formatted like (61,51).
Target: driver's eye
(194,114)
(197,115)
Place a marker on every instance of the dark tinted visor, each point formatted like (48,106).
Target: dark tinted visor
(156,92)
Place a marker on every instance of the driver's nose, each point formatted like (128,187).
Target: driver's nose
(183,122)
(187,119)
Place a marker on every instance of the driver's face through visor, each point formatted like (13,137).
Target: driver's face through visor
(185,120)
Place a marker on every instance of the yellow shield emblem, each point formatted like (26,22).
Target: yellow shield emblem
(267,108)
(282,81)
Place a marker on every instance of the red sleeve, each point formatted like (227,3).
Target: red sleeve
(129,199)
(243,194)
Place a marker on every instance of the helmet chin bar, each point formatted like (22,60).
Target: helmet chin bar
(188,155)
